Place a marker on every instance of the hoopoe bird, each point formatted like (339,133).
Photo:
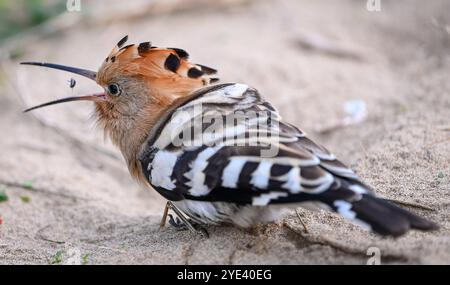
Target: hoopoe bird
(167,118)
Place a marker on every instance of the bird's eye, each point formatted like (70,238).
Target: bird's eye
(114,89)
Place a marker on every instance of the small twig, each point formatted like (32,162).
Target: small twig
(410,204)
(321,240)
(301,221)
(325,241)
(41,236)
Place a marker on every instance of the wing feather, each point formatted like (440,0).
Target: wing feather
(225,170)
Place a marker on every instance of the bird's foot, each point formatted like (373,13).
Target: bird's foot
(181,223)
(177,223)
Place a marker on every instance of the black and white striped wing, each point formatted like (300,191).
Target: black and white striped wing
(217,170)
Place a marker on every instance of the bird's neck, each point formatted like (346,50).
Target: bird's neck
(129,133)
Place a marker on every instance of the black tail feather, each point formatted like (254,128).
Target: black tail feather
(386,218)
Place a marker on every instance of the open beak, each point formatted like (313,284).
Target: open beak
(93,97)
(83,72)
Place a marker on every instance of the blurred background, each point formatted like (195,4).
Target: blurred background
(367,79)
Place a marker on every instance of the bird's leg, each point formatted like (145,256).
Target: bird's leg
(164,217)
(181,222)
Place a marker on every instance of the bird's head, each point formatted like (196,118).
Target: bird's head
(135,76)
(139,81)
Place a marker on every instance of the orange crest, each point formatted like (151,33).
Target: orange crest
(164,69)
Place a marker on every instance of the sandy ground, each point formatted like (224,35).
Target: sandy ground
(83,205)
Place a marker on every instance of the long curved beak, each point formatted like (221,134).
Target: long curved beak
(83,72)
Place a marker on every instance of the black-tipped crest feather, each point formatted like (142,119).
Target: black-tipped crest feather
(122,41)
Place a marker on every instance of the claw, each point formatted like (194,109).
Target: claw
(202,231)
